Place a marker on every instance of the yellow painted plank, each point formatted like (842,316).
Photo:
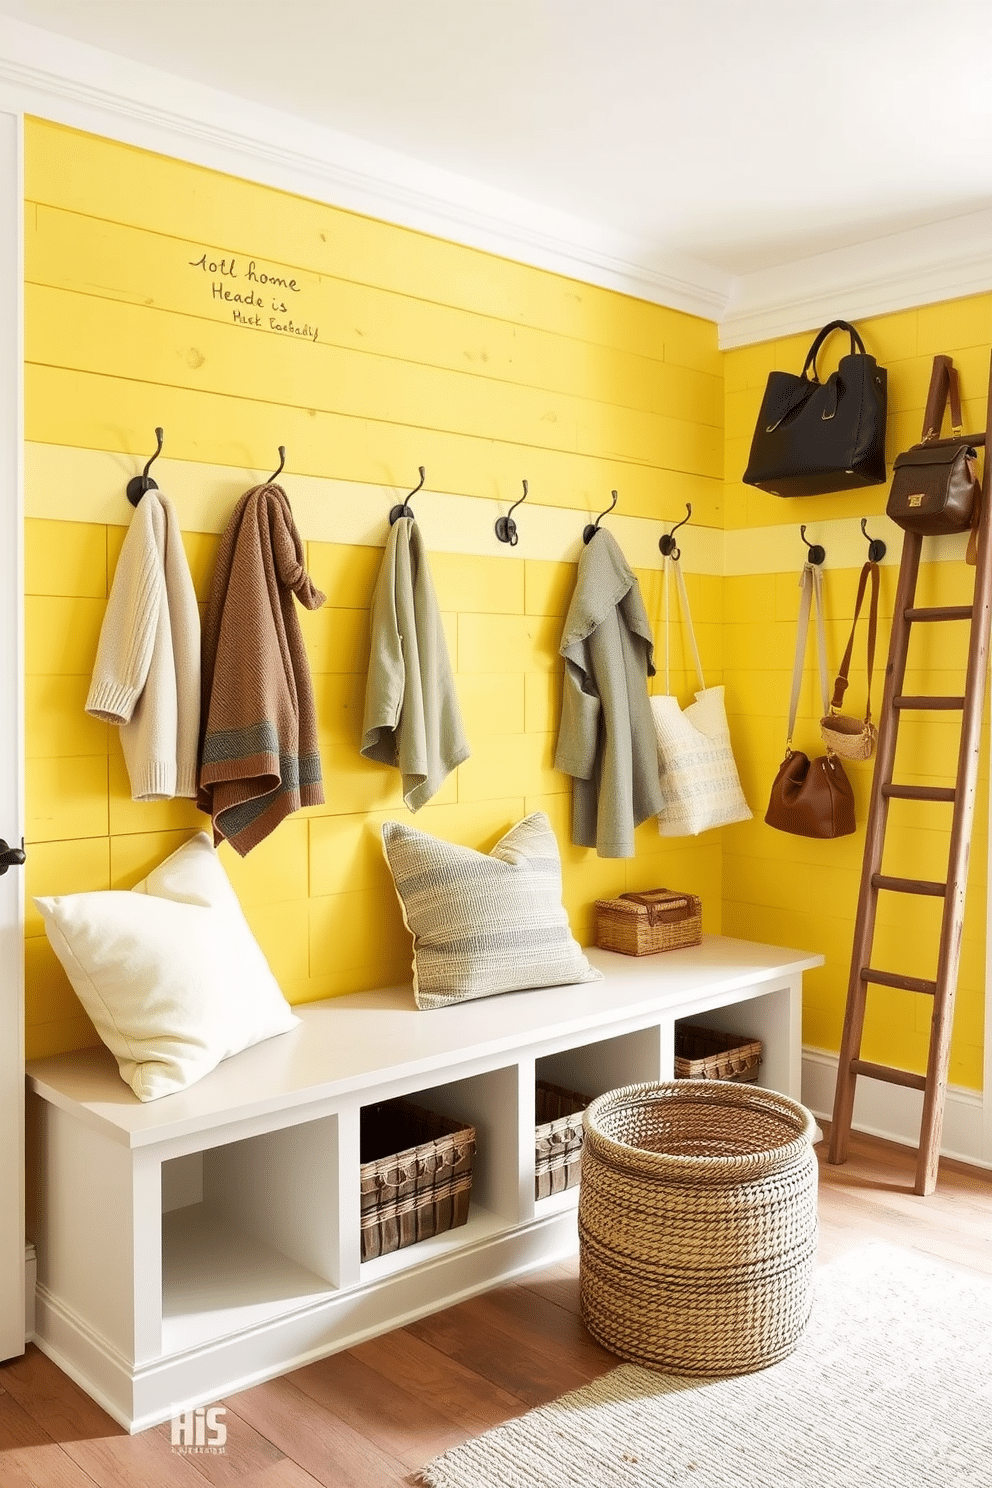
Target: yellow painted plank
(491,703)
(345,572)
(111,260)
(73,867)
(225,215)
(65,558)
(133,857)
(61,635)
(55,721)
(361,928)
(488,586)
(116,413)
(494,642)
(88,334)
(128,816)
(504,765)
(276,870)
(65,799)
(42,1040)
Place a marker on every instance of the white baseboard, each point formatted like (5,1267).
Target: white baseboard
(894,1112)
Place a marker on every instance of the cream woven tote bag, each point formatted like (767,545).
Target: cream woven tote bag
(697,770)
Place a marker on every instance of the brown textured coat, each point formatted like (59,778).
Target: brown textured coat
(259,759)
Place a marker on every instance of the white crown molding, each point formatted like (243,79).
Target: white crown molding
(921,266)
(91,89)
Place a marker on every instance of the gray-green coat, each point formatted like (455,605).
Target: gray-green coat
(607,740)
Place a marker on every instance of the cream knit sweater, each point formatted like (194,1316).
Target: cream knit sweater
(147,672)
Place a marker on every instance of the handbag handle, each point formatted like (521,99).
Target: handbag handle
(835,325)
(943,388)
(841,684)
(811,586)
(662,905)
(687,618)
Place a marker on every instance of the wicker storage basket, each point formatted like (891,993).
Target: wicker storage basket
(697,1225)
(416,1175)
(558,1139)
(708,1054)
(641,924)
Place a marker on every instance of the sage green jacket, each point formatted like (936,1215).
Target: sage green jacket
(412,719)
(606,741)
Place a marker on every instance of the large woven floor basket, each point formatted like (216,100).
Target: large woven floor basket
(697,1225)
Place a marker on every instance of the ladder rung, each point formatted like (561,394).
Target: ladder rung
(941,612)
(909,885)
(919,792)
(888,1074)
(895,979)
(929,704)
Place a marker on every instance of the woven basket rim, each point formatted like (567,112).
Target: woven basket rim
(684,1092)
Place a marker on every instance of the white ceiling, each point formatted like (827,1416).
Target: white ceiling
(734,134)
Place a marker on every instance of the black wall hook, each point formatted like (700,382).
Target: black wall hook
(667,542)
(816,553)
(139,484)
(506,527)
(590,530)
(282,461)
(876,547)
(404,509)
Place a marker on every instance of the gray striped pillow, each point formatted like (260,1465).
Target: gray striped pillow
(484,923)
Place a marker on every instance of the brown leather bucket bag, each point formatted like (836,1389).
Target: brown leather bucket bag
(810,797)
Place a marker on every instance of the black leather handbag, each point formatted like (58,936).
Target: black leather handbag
(811,436)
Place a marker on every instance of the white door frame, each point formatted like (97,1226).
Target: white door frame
(11,736)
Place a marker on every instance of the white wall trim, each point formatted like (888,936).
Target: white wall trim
(921,266)
(894,1112)
(90,89)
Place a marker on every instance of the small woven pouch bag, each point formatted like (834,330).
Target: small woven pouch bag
(854,738)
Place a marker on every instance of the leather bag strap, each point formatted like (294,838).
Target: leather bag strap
(811,595)
(659,903)
(870,570)
(943,388)
(835,325)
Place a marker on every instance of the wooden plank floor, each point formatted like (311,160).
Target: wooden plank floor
(370,1417)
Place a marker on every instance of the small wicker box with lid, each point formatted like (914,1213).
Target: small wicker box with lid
(655,920)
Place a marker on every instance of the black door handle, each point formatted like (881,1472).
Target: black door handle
(11,857)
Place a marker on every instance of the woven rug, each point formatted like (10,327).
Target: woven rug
(891,1387)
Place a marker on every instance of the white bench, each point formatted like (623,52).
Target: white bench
(203,1242)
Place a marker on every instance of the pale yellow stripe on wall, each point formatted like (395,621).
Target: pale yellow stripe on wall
(84,173)
(343,514)
(116,414)
(110,338)
(68,251)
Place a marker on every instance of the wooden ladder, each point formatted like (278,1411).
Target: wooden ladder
(962,800)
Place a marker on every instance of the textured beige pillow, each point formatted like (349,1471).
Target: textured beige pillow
(484,923)
(169,972)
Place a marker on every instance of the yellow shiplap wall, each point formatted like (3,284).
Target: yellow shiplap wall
(413,351)
(803,892)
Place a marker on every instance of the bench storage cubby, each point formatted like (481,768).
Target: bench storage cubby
(195,1245)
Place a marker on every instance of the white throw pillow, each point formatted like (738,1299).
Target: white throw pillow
(484,923)
(169,972)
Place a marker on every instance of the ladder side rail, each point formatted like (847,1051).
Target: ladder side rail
(949,956)
(864,928)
